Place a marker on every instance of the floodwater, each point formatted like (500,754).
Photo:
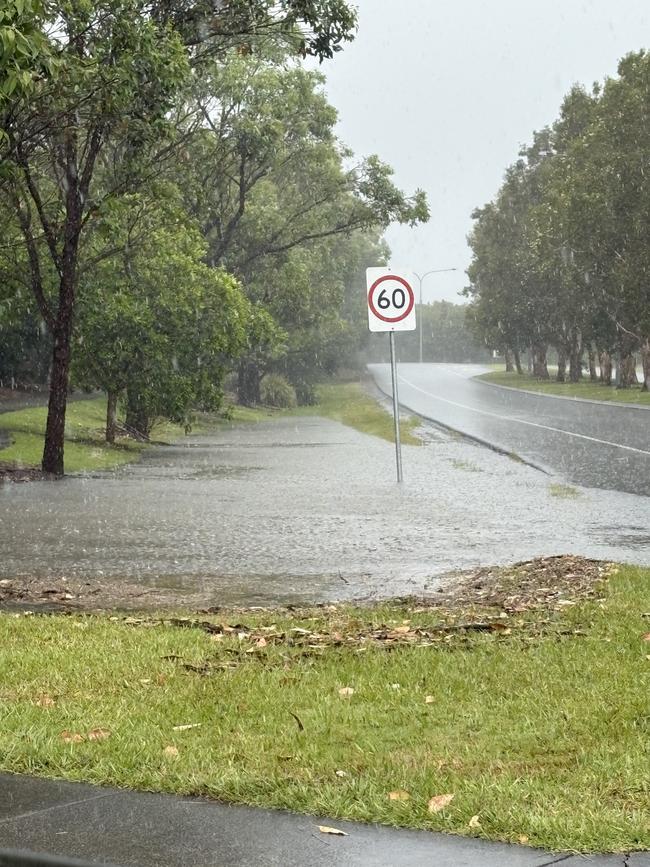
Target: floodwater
(305,509)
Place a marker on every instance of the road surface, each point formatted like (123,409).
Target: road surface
(590,444)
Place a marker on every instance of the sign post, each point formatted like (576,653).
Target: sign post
(391,307)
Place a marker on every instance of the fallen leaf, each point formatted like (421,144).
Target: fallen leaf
(334,831)
(171,752)
(71,737)
(439,802)
(341,773)
(475,822)
(98,735)
(402,630)
(145,680)
(261,642)
(187,726)
(429,699)
(646,637)
(522,839)
(395,686)
(399,795)
(45,701)
(346,692)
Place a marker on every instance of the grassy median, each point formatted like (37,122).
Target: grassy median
(586,390)
(535,719)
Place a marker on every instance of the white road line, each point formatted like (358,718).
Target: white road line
(529,423)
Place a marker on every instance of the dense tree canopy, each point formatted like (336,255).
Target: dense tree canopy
(176,203)
(561,256)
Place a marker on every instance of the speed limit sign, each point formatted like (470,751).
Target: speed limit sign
(391,300)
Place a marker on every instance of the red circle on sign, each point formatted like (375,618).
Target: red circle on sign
(371,302)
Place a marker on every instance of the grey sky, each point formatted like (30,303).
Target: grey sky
(447,92)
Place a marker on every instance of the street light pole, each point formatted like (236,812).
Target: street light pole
(421,281)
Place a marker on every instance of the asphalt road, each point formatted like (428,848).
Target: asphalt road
(586,443)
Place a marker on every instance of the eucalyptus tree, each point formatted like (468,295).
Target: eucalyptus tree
(272,187)
(121,65)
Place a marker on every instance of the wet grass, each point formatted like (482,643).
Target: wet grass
(586,390)
(85,447)
(350,404)
(538,726)
(563,492)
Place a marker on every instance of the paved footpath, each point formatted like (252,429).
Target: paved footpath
(108,826)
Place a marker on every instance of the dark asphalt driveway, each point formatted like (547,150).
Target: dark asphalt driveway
(587,443)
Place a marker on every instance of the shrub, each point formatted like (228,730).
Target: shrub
(276,391)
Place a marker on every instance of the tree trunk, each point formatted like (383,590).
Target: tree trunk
(517,358)
(111,416)
(540,366)
(605,368)
(510,368)
(591,355)
(561,365)
(645,359)
(529,361)
(137,418)
(575,356)
(53,449)
(249,377)
(627,375)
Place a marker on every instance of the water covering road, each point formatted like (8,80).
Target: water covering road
(305,509)
(593,444)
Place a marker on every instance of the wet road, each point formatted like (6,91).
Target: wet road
(305,509)
(591,444)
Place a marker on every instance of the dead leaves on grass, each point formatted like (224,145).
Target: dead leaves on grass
(97,734)
(439,802)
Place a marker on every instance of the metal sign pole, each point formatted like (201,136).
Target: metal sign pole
(393,371)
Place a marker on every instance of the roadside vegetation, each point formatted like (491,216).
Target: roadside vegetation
(87,449)
(504,714)
(584,389)
(559,254)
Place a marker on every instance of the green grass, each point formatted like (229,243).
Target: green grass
(85,449)
(563,492)
(84,434)
(351,405)
(586,389)
(541,729)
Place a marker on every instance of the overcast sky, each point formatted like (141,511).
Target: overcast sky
(447,92)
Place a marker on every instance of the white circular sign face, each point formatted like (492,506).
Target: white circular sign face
(391,301)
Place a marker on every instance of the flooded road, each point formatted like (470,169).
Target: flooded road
(587,443)
(304,509)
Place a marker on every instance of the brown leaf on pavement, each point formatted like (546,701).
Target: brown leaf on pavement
(324,829)
(439,802)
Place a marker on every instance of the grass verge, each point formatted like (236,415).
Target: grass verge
(350,404)
(535,720)
(586,390)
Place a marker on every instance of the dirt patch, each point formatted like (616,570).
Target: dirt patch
(545,583)
(11,473)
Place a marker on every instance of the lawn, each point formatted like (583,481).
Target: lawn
(585,389)
(86,450)
(537,721)
(350,404)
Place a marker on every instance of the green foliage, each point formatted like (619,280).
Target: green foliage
(561,255)
(276,391)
